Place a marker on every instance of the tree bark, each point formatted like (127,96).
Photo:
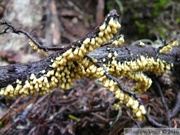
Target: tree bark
(9,74)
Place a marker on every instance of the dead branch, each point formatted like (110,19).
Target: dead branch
(86,58)
(10,73)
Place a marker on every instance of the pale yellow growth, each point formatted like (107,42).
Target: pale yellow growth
(76,51)
(64,70)
(104,39)
(31,43)
(131,70)
(169,47)
(99,40)
(102,27)
(81,53)
(141,43)
(118,41)
(138,114)
(50,73)
(115,54)
(111,35)
(118,25)
(108,29)
(115,43)
(135,105)
(55,65)
(43,71)
(83,49)
(65,54)
(92,41)
(110,55)
(114,30)
(59,58)
(142,109)
(130,102)
(107,37)
(143,83)
(71,56)
(86,41)
(112,23)
(9,88)
(101,34)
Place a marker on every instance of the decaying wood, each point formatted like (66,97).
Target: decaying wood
(10,73)
(103,63)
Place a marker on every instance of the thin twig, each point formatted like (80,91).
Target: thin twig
(16,31)
(163,101)
(176,108)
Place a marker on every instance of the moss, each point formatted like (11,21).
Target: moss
(148,18)
(141,27)
(178,20)
(1,124)
(160,31)
(161,3)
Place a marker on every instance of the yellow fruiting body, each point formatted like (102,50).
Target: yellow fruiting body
(141,43)
(31,43)
(169,47)
(73,64)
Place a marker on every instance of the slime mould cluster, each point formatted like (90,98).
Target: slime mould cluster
(67,66)
(73,64)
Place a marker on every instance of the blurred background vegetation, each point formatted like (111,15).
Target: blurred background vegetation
(148,19)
